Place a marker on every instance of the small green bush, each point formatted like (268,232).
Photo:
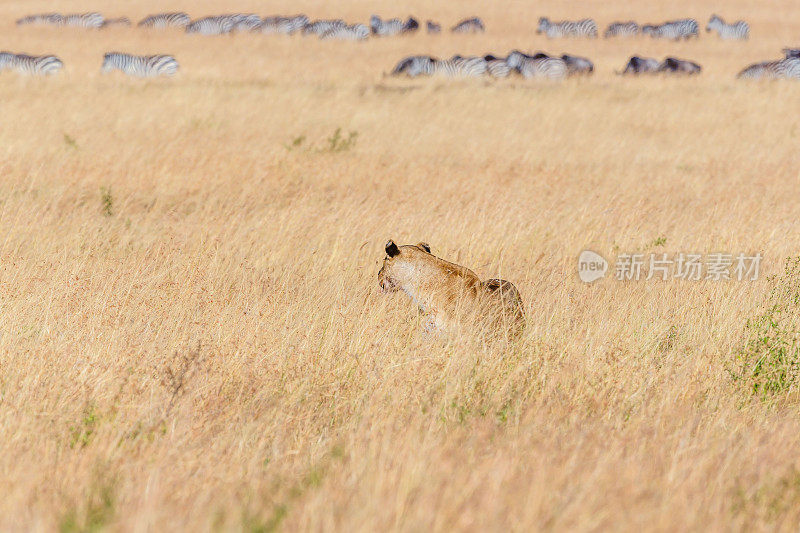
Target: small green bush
(770,358)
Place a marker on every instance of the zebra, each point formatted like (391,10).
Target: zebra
(318,27)
(738,30)
(621,29)
(676,29)
(433,27)
(165,20)
(578,28)
(392,26)
(458,66)
(245,22)
(6,60)
(537,66)
(414,66)
(121,21)
(788,68)
(52,19)
(36,65)
(139,66)
(679,66)
(497,67)
(285,25)
(355,32)
(84,20)
(577,65)
(211,25)
(641,65)
(682,28)
(470,25)
(791,52)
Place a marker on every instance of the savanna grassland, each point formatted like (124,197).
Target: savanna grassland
(192,336)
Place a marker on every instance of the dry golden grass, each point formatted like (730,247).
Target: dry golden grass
(191,332)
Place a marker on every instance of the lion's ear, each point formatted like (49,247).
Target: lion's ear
(392,249)
(425,246)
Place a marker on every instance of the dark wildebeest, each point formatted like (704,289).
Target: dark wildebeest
(577,65)
(640,65)
(679,66)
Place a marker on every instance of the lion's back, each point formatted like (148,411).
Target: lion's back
(512,308)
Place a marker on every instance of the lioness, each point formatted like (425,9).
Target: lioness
(451,296)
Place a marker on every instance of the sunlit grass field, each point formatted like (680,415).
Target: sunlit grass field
(192,336)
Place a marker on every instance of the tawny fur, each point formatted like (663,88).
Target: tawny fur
(451,296)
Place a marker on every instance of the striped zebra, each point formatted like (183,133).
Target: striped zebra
(460,67)
(84,20)
(355,32)
(244,22)
(676,29)
(36,65)
(414,66)
(139,66)
(738,30)
(682,28)
(318,27)
(433,27)
(679,66)
(6,60)
(165,20)
(566,28)
(641,65)
(621,29)
(577,65)
(125,22)
(497,67)
(791,52)
(48,19)
(284,25)
(788,68)
(454,67)
(470,25)
(216,25)
(537,66)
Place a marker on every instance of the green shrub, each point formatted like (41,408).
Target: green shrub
(770,358)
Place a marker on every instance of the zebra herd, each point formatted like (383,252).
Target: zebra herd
(673,29)
(539,65)
(77,20)
(249,22)
(325,29)
(679,29)
(138,66)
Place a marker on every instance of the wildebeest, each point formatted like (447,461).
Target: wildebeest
(679,66)
(641,65)
(578,65)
